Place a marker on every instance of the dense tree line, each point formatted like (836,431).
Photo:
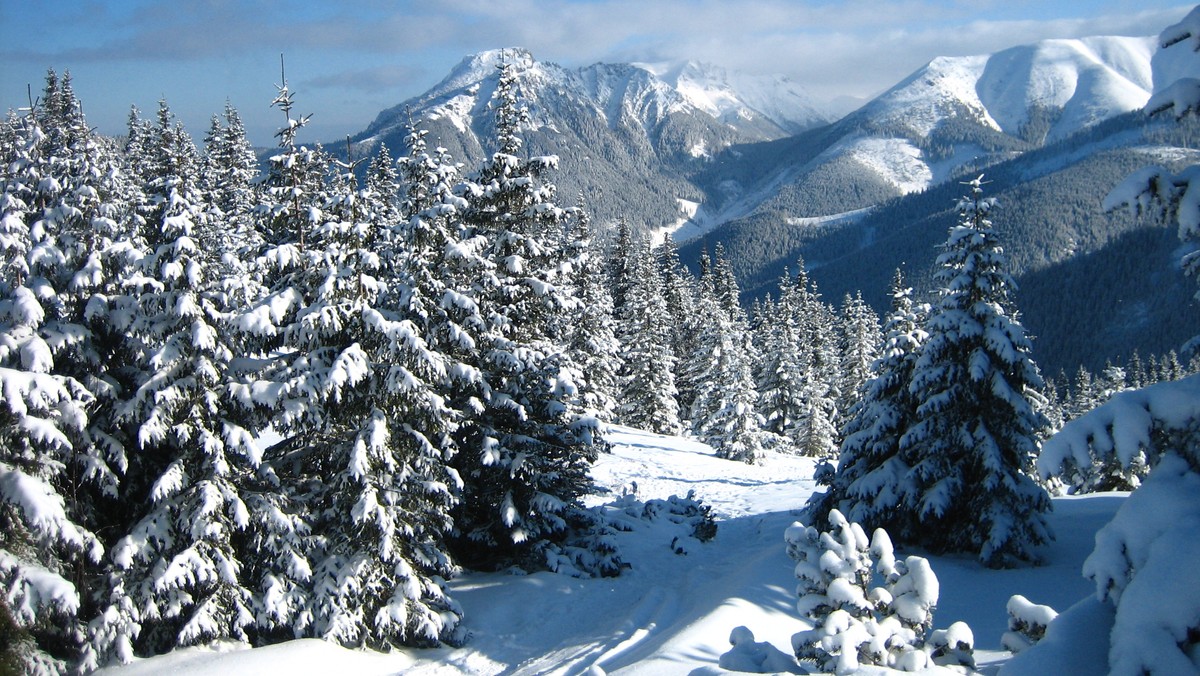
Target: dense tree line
(266,407)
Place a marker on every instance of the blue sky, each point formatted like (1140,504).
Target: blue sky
(346,61)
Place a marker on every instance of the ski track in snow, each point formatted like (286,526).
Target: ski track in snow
(672,613)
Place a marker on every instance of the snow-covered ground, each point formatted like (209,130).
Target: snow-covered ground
(672,612)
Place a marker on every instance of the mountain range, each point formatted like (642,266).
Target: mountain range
(757,163)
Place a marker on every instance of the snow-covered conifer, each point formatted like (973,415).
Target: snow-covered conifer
(861,604)
(524,451)
(63,211)
(860,339)
(725,411)
(869,485)
(352,539)
(975,437)
(648,390)
(175,577)
(780,378)
(592,333)
(229,171)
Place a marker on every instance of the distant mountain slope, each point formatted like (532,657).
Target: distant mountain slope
(1093,285)
(952,115)
(628,135)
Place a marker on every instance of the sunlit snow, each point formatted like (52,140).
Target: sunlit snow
(674,613)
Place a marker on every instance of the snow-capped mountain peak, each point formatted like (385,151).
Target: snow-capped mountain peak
(731,95)
(1077,82)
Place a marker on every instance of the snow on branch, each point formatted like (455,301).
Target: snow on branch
(1188,29)
(1182,96)
(1123,426)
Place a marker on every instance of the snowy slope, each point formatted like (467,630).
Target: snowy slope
(1089,79)
(955,112)
(670,613)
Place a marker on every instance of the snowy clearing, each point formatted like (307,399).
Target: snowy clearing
(672,613)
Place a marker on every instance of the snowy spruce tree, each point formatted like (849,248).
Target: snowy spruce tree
(859,342)
(592,336)
(799,369)
(352,534)
(175,577)
(524,452)
(725,412)
(780,373)
(975,436)
(648,390)
(63,209)
(870,484)
(680,294)
(229,172)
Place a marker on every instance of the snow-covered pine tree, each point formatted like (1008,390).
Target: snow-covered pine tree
(814,430)
(647,396)
(280,526)
(860,338)
(861,604)
(592,333)
(869,485)
(175,577)
(1136,371)
(679,292)
(524,453)
(725,413)
(1084,396)
(975,438)
(61,208)
(620,265)
(228,172)
(353,535)
(780,378)
(383,186)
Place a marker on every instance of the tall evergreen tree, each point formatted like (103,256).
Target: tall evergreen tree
(870,483)
(45,545)
(780,378)
(229,171)
(176,577)
(725,412)
(525,453)
(976,433)
(647,376)
(860,338)
(592,335)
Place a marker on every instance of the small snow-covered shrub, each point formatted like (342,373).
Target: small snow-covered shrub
(755,657)
(953,646)
(689,510)
(862,605)
(1027,623)
(590,550)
